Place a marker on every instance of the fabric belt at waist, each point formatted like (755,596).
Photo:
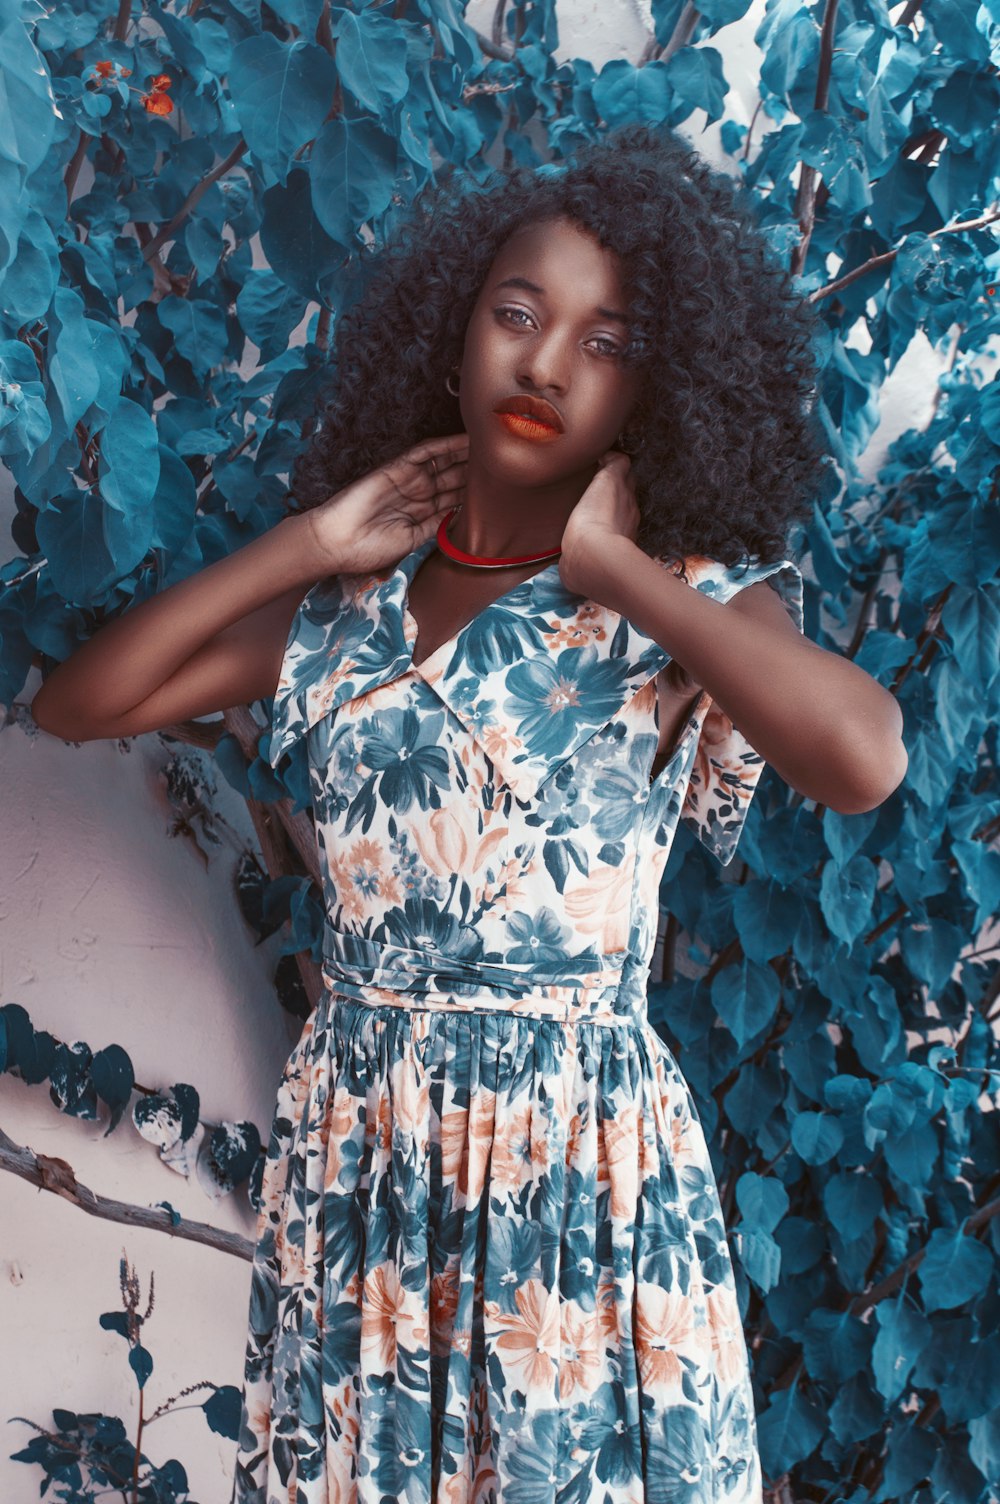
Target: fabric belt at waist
(369,972)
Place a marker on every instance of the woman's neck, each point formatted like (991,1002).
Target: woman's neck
(498,519)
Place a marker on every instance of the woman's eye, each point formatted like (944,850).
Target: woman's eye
(611,348)
(507,312)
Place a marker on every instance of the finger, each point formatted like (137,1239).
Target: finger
(453,474)
(444,496)
(442,444)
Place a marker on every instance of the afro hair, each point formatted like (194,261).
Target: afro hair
(732,447)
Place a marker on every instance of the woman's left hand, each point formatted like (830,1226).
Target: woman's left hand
(605,514)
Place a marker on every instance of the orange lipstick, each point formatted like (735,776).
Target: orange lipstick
(528,428)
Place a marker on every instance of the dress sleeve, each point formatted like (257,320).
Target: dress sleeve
(725,769)
(297,702)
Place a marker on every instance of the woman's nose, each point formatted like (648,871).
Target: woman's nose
(546,364)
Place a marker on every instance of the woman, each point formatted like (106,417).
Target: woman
(491,1262)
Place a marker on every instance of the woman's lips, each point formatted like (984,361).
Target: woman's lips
(528,428)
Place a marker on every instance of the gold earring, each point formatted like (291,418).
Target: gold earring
(636,439)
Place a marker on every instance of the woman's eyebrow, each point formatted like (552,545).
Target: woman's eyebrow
(605,313)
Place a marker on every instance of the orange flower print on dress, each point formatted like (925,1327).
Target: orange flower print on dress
(664,1330)
(621,1149)
(580,1359)
(728,1341)
(386,1322)
(600,905)
(522,1150)
(529,1337)
(444,1304)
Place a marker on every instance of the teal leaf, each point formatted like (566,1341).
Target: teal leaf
(351,170)
(903,1333)
(984,1436)
(70,1085)
(233,1148)
(972,620)
(299,250)
(802,1244)
(789,1430)
(762,1199)
(910,1457)
(852,1202)
(90,545)
(846,834)
(622,92)
(24,418)
(30,281)
(760,1257)
(281,93)
(913,1154)
(756,1093)
(816,1137)
(173,504)
(696,77)
(140,1360)
(745,995)
(846,895)
(129,466)
(73,370)
(836,1345)
(931,949)
(199,330)
(371,58)
(980,867)
(268,311)
(189,1102)
(810,1063)
(955,1268)
(972,1389)
(767,914)
(28,112)
(114,1077)
(857,1412)
(222,1411)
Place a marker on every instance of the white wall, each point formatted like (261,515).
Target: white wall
(112,931)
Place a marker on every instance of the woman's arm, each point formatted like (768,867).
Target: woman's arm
(209,642)
(217,638)
(825,725)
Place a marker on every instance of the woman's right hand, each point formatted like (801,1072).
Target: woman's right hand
(378,519)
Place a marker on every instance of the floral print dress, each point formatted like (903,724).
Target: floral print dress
(491,1265)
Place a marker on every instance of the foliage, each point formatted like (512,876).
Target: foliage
(840,1031)
(89,1452)
(221,1157)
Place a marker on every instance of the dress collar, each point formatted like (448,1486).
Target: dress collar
(532,677)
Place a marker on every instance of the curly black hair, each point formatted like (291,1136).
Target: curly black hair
(732,446)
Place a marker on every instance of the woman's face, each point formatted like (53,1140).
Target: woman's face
(550,322)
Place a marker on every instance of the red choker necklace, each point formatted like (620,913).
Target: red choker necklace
(483,561)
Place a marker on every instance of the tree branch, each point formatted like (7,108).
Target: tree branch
(887,256)
(197,192)
(57,1176)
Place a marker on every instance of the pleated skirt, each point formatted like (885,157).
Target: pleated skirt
(490,1268)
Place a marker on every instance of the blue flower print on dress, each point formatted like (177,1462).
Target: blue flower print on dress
(491,1265)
